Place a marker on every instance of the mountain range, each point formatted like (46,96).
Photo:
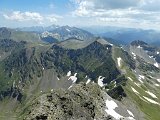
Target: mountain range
(125,36)
(67,73)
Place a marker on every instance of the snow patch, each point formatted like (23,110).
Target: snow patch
(150,100)
(88,81)
(157,85)
(110,44)
(158,80)
(73,78)
(119,61)
(143,99)
(156,64)
(130,78)
(140,78)
(58,78)
(137,84)
(151,94)
(69,73)
(139,46)
(70,86)
(134,90)
(157,52)
(115,83)
(100,81)
(151,77)
(150,56)
(111,105)
(133,54)
(130,113)
(68,30)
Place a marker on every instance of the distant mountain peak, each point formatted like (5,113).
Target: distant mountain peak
(138,43)
(5,32)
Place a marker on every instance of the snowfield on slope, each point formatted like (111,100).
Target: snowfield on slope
(111,106)
(134,90)
(137,84)
(150,100)
(158,80)
(88,81)
(100,81)
(73,78)
(151,94)
(156,64)
(130,113)
(134,55)
(69,73)
(130,79)
(58,78)
(140,78)
(119,61)
(157,85)
(139,46)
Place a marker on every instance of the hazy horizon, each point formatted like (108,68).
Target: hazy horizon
(142,14)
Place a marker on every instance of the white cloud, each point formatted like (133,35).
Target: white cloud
(84,9)
(107,4)
(131,13)
(150,5)
(26,16)
(125,13)
(31,17)
(53,18)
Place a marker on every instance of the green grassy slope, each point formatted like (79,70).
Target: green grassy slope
(150,110)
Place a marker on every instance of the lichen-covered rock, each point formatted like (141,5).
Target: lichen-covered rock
(81,102)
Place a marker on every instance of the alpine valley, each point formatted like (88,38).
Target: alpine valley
(66,73)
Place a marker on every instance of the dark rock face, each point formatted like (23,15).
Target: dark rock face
(93,60)
(5,33)
(157,58)
(7,45)
(23,64)
(49,39)
(138,42)
(117,93)
(81,102)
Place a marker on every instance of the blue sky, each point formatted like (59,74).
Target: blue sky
(35,5)
(122,13)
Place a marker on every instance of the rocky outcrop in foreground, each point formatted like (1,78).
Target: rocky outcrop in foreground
(80,102)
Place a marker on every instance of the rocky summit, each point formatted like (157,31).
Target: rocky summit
(81,102)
